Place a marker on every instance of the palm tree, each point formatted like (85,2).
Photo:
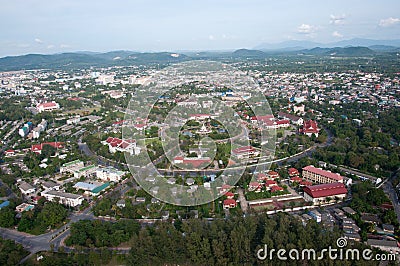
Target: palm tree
(114,208)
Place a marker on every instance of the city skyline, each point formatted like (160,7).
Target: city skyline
(63,26)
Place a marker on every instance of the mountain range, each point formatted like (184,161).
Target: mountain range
(349,48)
(300,45)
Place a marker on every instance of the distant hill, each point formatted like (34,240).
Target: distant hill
(295,45)
(340,51)
(125,58)
(76,60)
(248,53)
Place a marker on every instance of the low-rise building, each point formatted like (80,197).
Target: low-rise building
(37,148)
(388,245)
(324,193)
(298,121)
(229,203)
(245,152)
(316,215)
(116,144)
(67,199)
(47,106)
(26,188)
(317,175)
(192,161)
(109,174)
(309,128)
(50,185)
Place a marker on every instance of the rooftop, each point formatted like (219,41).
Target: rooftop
(319,171)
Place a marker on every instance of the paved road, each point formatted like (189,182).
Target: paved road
(391,192)
(243,202)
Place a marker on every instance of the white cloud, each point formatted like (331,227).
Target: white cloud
(65,46)
(306,29)
(50,46)
(211,37)
(389,22)
(37,40)
(337,34)
(337,20)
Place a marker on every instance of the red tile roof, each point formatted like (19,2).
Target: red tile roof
(319,171)
(39,147)
(276,188)
(245,149)
(325,190)
(293,171)
(282,122)
(254,184)
(310,126)
(305,183)
(47,105)
(229,194)
(273,174)
(230,203)
(296,179)
(269,183)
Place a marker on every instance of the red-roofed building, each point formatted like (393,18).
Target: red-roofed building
(309,128)
(268,121)
(321,193)
(140,126)
(48,106)
(270,183)
(273,174)
(37,148)
(317,175)
(293,172)
(193,161)
(245,152)
(229,203)
(9,153)
(229,195)
(296,179)
(225,188)
(36,199)
(116,144)
(261,177)
(305,183)
(276,189)
(255,186)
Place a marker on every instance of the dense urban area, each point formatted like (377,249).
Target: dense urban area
(329,170)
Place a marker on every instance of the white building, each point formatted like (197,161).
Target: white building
(71,166)
(40,128)
(26,189)
(78,169)
(109,174)
(105,79)
(67,199)
(73,120)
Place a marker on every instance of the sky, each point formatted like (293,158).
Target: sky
(53,26)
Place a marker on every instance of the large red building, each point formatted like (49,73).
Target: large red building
(37,148)
(325,193)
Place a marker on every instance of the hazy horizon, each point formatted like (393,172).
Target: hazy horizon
(49,27)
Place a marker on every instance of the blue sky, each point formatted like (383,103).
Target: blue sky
(44,26)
